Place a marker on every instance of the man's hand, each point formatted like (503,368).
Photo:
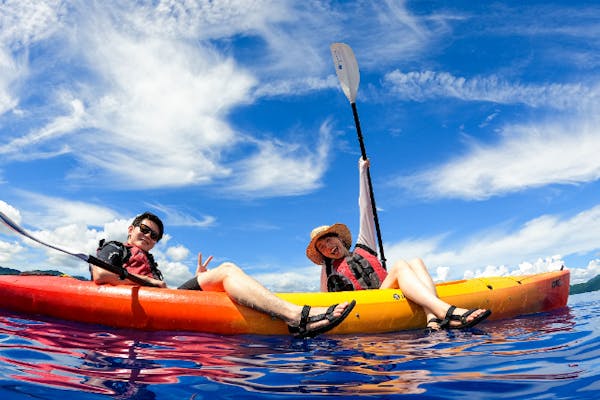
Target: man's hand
(202,266)
(155,282)
(102,276)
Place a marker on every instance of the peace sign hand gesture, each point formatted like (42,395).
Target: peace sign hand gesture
(202,266)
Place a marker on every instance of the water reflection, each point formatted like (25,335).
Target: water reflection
(122,364)
(134,365)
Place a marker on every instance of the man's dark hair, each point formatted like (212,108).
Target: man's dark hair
(151,217)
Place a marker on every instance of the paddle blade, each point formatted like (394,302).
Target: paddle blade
(346,69)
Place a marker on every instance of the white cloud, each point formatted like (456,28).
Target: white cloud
(10,211)
(9,251)
(60,126)
(421,86)
(150,83)
(178,253)
(295,86)
(553,263)
(177,218)
(164,101)
(526,156)
(197,19)
(160,97)
(282,168)
(305,279)
(174,272)
(23,22)
(26,21)
(9,74)
(522,251)
(580,275)
(55,211)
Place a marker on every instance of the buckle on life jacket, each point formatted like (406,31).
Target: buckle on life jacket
(339,283)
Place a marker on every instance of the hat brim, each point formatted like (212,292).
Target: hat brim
(339,230)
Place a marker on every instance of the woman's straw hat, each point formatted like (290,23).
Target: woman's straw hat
(340,230)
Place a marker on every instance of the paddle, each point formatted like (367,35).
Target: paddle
(346,69)
(122,272)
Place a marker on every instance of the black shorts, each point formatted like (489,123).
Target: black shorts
(191,284)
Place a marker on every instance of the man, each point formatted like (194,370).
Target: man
(147,229)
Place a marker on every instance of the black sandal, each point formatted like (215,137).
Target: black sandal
(301,331)
(430,329)
(445,324)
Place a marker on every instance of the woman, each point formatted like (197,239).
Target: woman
(360,269)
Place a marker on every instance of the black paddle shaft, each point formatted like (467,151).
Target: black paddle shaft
(364,156)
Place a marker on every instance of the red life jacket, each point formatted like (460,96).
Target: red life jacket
(139,261)
(130,257)
(355,268)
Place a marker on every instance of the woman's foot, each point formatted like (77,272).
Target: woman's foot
(461,318)
(433,325)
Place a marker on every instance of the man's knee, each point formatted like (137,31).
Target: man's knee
(230,268)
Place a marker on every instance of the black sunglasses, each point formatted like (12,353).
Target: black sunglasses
(146,230)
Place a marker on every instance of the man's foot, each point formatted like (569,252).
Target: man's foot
(318,320)
(460,318)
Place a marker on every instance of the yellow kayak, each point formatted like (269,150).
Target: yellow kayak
(376,311)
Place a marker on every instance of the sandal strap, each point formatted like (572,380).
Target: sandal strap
(304,320)
(328,314)
(449,317)
(301,329)
(460,318)
(463,318)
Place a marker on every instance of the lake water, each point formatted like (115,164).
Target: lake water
(544,356)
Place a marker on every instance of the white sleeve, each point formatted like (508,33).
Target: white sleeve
(366,233)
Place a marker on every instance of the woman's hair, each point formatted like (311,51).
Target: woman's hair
(151,217)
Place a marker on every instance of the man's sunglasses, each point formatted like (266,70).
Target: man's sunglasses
(146,230)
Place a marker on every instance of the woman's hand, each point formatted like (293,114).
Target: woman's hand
(362,163)
(202,266)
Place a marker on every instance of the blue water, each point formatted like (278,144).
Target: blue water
(544,356)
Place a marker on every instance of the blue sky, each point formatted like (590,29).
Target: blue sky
(227,120)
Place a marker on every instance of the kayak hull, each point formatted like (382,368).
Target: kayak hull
(376,311)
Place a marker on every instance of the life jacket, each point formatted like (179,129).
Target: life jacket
(132,258)
(360,270)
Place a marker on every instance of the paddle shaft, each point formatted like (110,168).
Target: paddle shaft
(364,156)
(122,272)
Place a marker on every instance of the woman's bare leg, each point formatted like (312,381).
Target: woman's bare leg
(416,284)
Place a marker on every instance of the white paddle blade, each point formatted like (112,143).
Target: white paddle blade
(346,69)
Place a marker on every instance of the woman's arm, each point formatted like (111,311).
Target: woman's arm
(323,279)
(366,233)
